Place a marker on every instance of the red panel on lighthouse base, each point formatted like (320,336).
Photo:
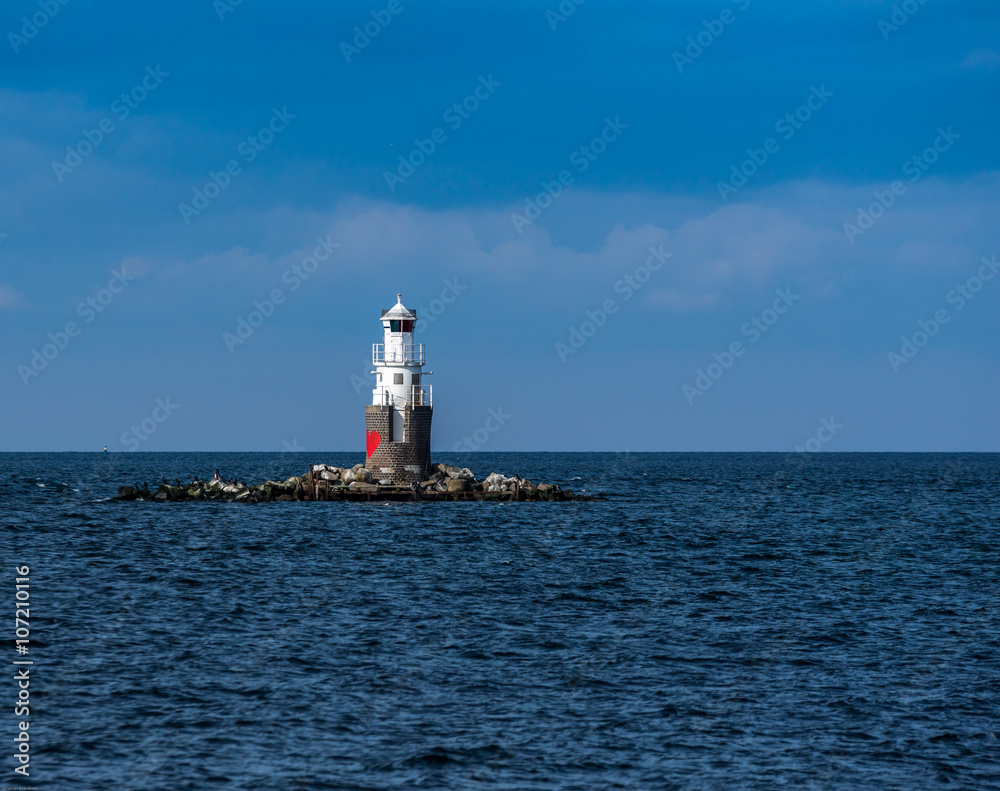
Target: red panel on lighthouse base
(374,439)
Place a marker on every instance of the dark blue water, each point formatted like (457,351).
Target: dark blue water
(721,621)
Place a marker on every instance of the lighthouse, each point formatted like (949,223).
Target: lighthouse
(398,420)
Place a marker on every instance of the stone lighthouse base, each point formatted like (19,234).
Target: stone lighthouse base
(403,460)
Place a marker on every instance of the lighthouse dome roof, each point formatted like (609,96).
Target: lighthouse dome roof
(399,310)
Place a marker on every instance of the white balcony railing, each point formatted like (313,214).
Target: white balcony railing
(419,395)
(422,395)
(409,353)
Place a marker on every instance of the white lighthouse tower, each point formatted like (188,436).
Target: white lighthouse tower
(398,421)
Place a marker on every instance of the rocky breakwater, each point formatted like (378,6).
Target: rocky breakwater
(328,482)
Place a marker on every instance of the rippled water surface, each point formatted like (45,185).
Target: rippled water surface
(720,621)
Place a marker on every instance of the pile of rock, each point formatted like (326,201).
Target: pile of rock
(461,479)
(327,482)
(218,489)
(357,477)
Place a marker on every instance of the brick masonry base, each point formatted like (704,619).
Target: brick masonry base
(407,462)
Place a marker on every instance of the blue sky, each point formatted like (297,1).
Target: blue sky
(866,133)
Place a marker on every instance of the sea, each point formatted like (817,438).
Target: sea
(716,621)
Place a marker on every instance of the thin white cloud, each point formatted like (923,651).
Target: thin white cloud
(784,236)
(10,299)
(982,59)
(674,300)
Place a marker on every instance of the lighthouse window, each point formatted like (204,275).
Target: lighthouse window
(397,379)
(415,379)
(407,326)
(394,325)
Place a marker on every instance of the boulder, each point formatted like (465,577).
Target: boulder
(273,490)
(361,486)
(356,473)
(547,491)
(171,492)
(127,493)
(457,485)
